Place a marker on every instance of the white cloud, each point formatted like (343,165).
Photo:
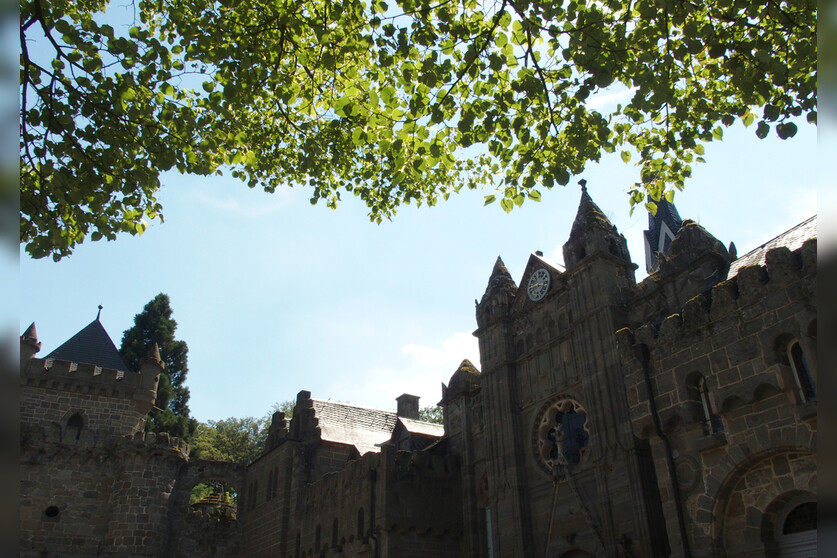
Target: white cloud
(610,99)
(427,367)
(459,346)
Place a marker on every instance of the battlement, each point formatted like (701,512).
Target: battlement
(751,291)
(43,371)
(57,434)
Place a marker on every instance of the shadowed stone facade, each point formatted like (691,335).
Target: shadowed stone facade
(671,417)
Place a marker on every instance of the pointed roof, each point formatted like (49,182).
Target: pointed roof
(666,214)
(30,334)
(465,380)
(91,345)
(592,232)
(589,216)
(500,280)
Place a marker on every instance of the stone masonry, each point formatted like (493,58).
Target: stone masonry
(671,417)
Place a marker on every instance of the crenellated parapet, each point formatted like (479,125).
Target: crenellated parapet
(733,338)
(87,378)
(56,436)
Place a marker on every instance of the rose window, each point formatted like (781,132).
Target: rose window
(562,434)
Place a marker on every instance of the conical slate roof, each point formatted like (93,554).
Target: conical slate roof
(91,345)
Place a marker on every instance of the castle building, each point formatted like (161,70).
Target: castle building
(608,418)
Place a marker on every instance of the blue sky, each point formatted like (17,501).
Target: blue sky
(274,295)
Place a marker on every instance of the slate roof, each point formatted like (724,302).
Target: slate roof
(91,345)
(423,428)
(792,239)
(358,426)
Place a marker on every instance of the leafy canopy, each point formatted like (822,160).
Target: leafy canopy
(234,439)
(433,413)
(395,103)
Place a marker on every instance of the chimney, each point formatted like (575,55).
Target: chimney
(408,406)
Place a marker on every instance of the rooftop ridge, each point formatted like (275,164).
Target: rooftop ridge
(741,261)
(328,401)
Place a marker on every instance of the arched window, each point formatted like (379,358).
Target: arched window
(75,424)
(712,422)
(796,529)
(801,371)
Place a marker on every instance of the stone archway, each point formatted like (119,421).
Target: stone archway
(745,507)
(202,470)
(202,534)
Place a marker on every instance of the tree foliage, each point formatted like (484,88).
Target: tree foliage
(234,439)
(395,103)
(156,325)
(433,413)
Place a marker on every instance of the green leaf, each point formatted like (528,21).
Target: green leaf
(626,156)
(748,118)
(786,130)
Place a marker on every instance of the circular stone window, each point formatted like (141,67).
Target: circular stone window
(561,433)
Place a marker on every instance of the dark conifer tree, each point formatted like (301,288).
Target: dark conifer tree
(155,325)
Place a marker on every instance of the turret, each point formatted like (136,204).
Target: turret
(150,368)
(498,295)
(464,381)
(29,345)
(592,233)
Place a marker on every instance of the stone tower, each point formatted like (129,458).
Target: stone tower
(556,437)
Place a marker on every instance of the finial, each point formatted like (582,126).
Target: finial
(583,185)
(99,313)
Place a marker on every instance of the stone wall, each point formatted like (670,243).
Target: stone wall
(105,400)
(741,432)
(86,497)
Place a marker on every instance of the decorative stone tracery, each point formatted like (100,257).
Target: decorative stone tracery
(561,433)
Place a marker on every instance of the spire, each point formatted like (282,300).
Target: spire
(592,232)
(498,294)
(99,313)
(91,345)
(662,228)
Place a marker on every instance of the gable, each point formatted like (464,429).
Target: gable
(537,262)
